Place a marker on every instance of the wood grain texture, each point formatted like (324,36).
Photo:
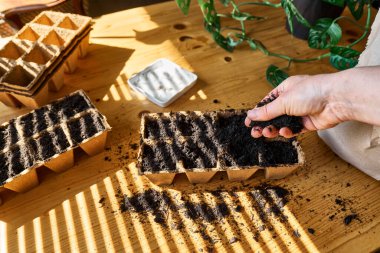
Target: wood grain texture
(64,213)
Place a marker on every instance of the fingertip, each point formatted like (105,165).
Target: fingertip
(270,132)
(252,114)
(286,132)
(256,132)
(247,122)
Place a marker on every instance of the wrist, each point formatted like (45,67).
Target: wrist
(340,95)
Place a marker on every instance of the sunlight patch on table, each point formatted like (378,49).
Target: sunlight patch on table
(21,239)
(115,95)
(305,239)
(144,241)
(106,98)
(38,235)
(121,226)
(104,228)
(86,223)
(54,231)
(67,212)
(264,235)
(4,237)
(202,94)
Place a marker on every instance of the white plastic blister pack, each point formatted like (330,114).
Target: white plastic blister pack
(162,82)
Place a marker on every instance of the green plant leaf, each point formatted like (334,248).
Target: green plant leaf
(275,75)
(242,16)
(225,2)
(344,58)
(184,5)
(226,43)
(339,3)
(291,12)
(210,15)
(356,7)
(324,34)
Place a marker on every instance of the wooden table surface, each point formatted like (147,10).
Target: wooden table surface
(78,210)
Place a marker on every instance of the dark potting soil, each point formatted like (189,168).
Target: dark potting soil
(12,132)
(349,218)
(85,127)
(242,149)
(294,123)
(47,145)
(277,152)
(160,157)
(207,138)
(71,105)
(311,231)
(157,128)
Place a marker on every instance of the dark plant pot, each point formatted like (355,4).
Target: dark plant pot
(376,4)
(312,10)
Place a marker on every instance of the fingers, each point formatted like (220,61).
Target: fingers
(256,132)
(286,132)
(247,122)
(268,132)
(308,124)
(267,112)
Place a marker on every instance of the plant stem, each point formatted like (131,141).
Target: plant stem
(288,58)
(351,21)
(260,3)
(231,28)
(366,28)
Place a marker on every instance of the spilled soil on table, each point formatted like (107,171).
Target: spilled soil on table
(267,200)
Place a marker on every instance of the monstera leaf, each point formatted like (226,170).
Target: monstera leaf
(184,5)
(275,76)
(324,34)
(343,58)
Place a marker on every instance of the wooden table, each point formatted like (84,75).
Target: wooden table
(64,212)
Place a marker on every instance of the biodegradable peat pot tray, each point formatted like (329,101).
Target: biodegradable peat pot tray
(203,143)
(47,137)
(32,63)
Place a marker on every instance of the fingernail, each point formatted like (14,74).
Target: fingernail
(256,128)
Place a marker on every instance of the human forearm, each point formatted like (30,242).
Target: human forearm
(355,95)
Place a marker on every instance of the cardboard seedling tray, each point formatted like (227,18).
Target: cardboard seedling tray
(200,144)
(48,137)
(33,62)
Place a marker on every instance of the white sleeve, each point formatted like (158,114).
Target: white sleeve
(355,142)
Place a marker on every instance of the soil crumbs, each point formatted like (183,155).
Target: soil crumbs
(174,211)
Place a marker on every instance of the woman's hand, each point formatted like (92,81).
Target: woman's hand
(322,101)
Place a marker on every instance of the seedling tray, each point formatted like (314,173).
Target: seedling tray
(202,143)
(47,137)
(34,60)
(162,82)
